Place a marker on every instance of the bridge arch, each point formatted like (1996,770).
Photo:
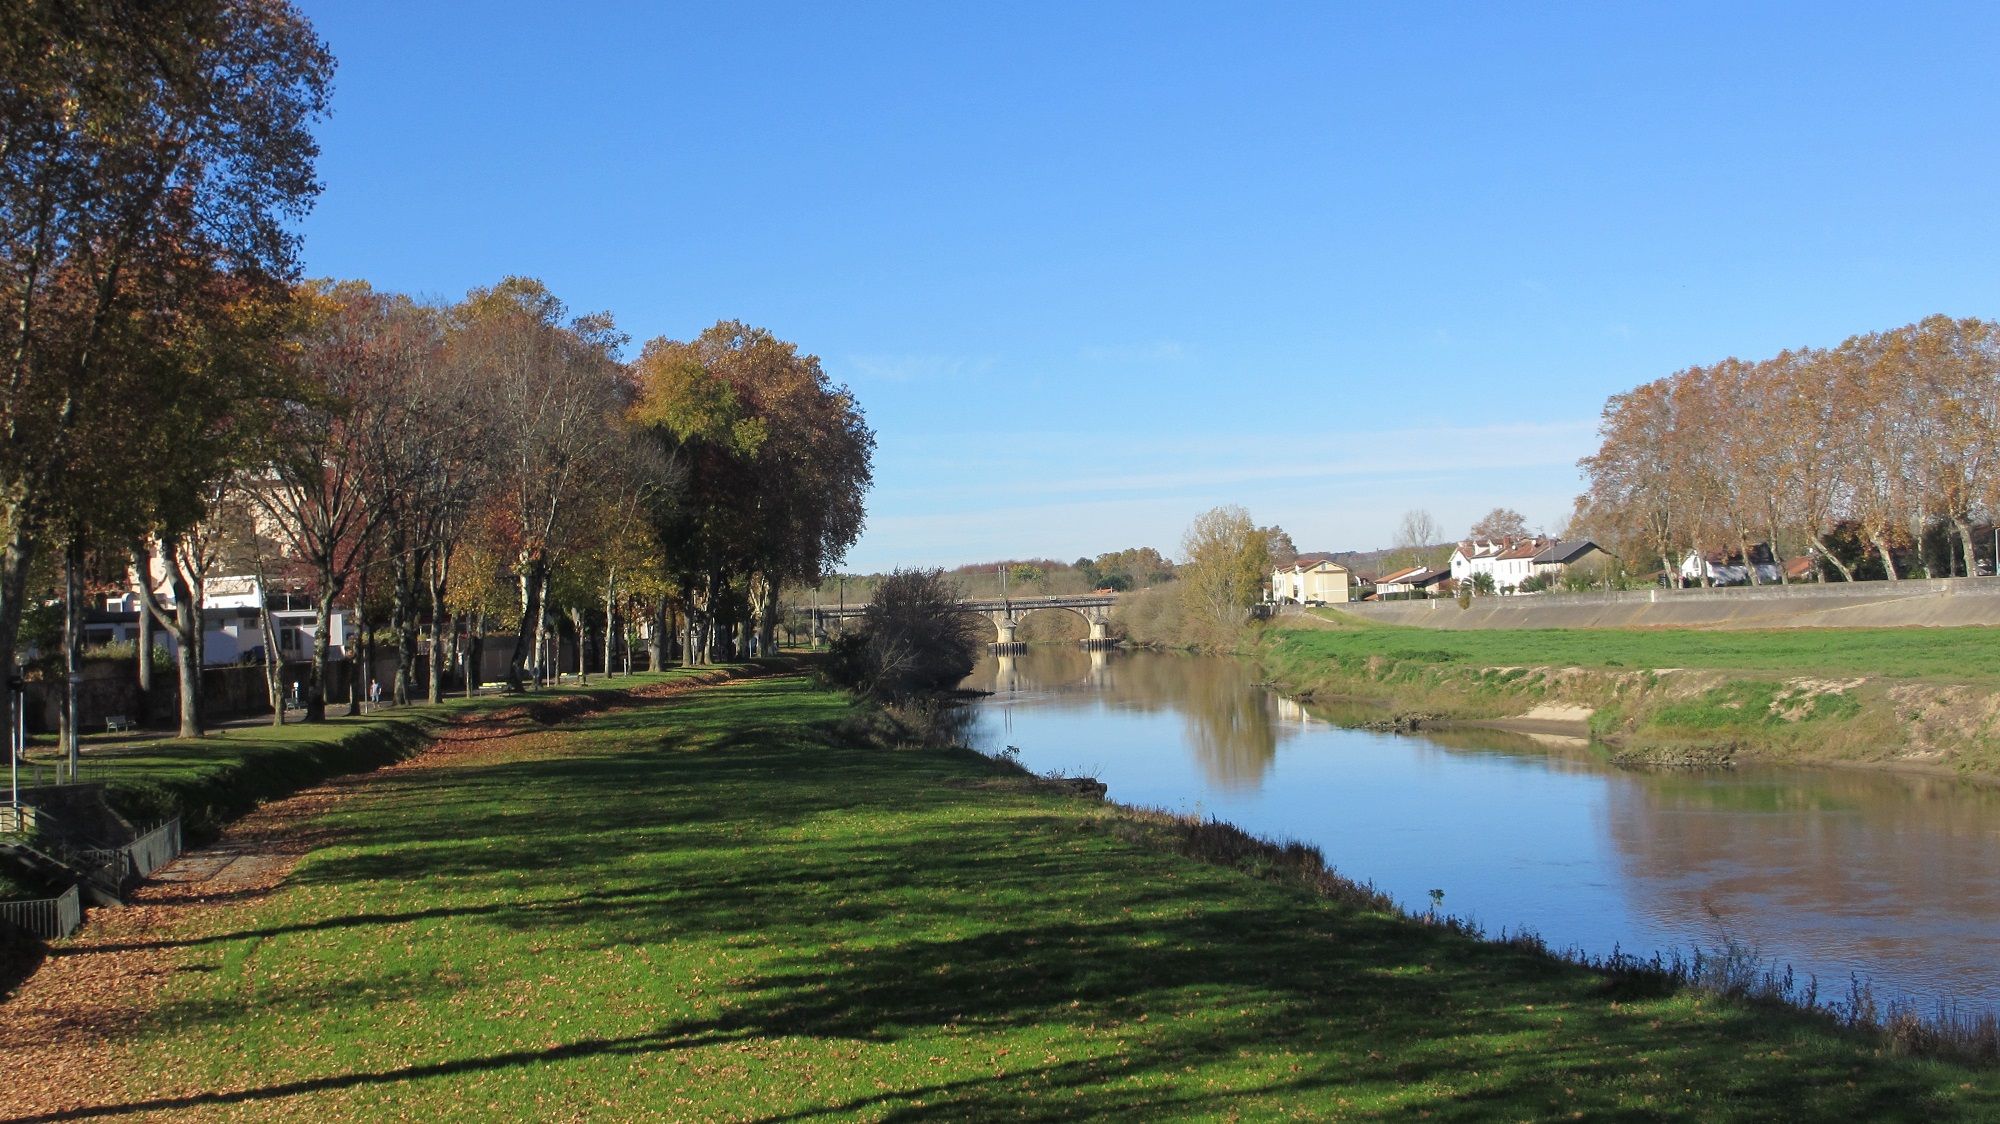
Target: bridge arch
(1008,618)
(1006,614)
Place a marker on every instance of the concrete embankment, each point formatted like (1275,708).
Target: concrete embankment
(1938,602)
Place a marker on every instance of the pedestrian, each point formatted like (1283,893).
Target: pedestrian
(374,693)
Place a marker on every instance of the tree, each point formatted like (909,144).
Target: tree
(324,459)
(1416,534)
(1279,542)
(558,397)
(1141,566)
(1225,557)
(1500,523)
(135,139)
(777,463)
(913,638)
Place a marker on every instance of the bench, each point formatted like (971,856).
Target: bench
(117,724)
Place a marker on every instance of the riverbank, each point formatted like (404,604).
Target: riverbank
(717,906)
(1912,700)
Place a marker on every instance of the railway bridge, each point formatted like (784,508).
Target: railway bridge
(1006,614)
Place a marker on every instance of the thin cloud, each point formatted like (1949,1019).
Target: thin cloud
(919,368)
(1158,351)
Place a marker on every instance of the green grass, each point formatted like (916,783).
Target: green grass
(209,781)
(709,908)
(1944,654)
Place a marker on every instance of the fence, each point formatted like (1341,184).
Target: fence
(154,849)
(47,918)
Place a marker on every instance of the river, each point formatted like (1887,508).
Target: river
(1890,878)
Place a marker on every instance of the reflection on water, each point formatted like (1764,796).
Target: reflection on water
(1232,724)
(1895,878)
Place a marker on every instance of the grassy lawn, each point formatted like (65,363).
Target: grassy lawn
(1969,655)
(711,908)
(214,779)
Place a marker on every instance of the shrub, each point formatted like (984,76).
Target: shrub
(913,638)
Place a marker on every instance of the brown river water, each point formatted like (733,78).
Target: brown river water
(1841,874)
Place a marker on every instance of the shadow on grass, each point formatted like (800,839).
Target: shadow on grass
(886,906)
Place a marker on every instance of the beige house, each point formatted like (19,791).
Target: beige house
(1309,582)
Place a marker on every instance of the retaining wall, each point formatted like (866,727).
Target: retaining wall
(1930,602)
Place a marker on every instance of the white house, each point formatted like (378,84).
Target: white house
(1473,557)
(1310,581)
(1727,568)
(232,630)
(1508,561)
(1516,563)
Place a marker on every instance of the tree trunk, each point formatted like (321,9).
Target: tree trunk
(184,625)
(1888,560)
(317,685)
(767,617)
(475,652)
(1846,574)
(581,628)
(187,616)
(403,618)
(15,557)
(610,621)
(362,682)
(547,664)
(528,636)
(1965,541)
(438,572)
(274,674)
(658,642)
(145,660)
(72,650)
(1749,563)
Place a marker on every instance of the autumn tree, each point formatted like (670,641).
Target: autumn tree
(321,462)
(1224,559)
(1500,523)
(1278,543)
(558,395)
(1885,441)
(776,462)
(134,139)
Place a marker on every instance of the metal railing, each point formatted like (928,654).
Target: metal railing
(47,918)
(154,849)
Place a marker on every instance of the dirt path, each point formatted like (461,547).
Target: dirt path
(68,1038)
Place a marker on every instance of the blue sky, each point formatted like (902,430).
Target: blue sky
(1092,269)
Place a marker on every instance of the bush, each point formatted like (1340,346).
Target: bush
(1153,617)
(913,638)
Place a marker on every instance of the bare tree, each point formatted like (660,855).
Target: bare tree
(1416,534)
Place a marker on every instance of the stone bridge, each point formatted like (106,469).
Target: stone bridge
(1006,614)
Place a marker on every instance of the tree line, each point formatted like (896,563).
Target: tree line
(1882,452)
(178,402)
